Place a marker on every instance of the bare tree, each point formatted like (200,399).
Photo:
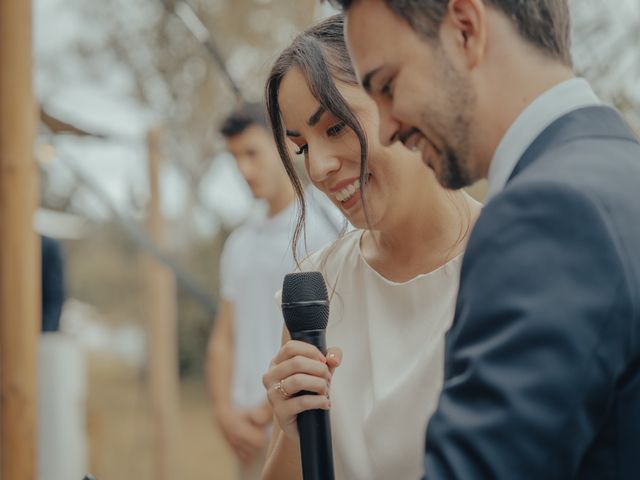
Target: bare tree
(606,50)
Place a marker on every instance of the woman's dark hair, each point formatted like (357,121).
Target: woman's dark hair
(321,55)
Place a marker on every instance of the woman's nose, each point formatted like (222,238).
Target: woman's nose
(322,163)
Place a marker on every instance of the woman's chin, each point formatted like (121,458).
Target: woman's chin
(357,219)
(353,210)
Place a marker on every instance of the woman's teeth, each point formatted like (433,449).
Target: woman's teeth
(347,192)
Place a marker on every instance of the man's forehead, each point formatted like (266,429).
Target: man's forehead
(366,30)
(360,44)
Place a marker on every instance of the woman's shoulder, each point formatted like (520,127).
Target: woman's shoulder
(333,257)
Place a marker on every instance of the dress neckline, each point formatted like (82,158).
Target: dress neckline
(452,263)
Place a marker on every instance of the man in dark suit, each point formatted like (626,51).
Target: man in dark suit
(542,376)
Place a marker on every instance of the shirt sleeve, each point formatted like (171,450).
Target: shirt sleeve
(228,268)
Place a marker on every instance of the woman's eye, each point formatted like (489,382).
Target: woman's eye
(335,129)
(302,150)
(386,88)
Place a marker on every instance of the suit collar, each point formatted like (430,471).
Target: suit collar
(595,121)
(552,104)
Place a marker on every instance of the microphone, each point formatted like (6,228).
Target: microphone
(305,306)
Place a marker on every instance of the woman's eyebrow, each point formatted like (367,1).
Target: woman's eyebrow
(312,122)
(315,118)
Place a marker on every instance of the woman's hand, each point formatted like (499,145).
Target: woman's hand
(297,367)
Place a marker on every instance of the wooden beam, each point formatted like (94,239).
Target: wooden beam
(162,335)
(19,247)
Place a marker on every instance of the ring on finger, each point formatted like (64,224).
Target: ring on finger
(279,387)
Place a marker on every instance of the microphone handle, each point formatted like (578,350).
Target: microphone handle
(314,426)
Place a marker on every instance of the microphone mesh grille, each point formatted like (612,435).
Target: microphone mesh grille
(299,288)
(303,287)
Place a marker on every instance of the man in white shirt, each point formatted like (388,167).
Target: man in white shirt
(248,328)
(542,368)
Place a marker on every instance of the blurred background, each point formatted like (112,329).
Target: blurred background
(137,192)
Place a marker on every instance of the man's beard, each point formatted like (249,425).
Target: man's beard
(454,171)
(454,175)
(453,125)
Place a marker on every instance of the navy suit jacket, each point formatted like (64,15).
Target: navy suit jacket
(542,368)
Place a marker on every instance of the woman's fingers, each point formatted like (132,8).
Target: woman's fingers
(294,348)
(294,406)
(297,364)
(287,407)
(296,357)
(334,358)
(299,367)
(301,382)
(296,383)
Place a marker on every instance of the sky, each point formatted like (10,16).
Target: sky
(104,105)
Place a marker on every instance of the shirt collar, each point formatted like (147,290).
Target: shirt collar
(556,102)
(280,220)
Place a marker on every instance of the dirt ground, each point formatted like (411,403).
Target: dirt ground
(119,428)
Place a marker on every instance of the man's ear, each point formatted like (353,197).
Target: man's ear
(464,28)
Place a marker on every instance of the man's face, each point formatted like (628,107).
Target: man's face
(423,99)
(257,159)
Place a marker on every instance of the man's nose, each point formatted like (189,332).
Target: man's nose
(388,128)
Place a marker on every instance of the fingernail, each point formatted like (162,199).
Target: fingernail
(331,355)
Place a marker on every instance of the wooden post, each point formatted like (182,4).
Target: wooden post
(162,341)
(19,247)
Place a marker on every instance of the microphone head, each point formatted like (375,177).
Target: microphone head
(305,302)
(304,287)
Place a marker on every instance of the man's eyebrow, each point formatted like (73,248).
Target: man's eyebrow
(315,118)
(366,81)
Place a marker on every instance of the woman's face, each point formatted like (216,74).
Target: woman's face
(332,154)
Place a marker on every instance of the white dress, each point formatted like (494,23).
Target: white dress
(392,338)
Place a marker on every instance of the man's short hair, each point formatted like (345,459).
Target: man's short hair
(242,118)
(544,23)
